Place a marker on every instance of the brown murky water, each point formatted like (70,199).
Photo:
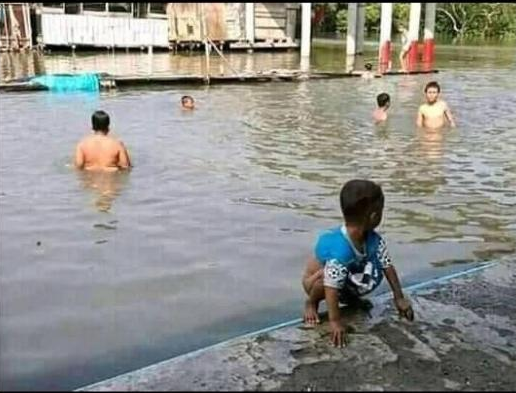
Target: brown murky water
(207,237)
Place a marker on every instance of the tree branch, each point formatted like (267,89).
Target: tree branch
(451,17)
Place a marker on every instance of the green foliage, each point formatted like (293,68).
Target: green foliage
(458,20)
(372,17)
(400,16)
(480,20)
(341,20)
(329,22)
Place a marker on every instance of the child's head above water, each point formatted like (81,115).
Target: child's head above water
(433,85)
(432,90)
(100,122)
(187,102)
(383,100)
(361,202)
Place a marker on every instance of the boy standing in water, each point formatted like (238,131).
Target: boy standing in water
(384,102)
(350,260)
(435,112)
(405,46)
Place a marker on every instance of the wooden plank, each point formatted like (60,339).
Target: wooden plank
(103,31)
(216,21)
(411,72)
(21,86)
(264,45)
(160,80)
(184,21)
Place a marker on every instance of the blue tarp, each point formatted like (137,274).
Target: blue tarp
(69,82)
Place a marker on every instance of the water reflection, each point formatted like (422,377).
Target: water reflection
(407,90)
(19,65)
(431,143)
(324,58)
(105,186)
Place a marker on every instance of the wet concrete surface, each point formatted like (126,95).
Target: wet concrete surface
(463,338)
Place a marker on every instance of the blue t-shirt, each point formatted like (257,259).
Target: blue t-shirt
(345,267)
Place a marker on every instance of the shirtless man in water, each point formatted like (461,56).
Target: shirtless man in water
(434,113)
(101,151)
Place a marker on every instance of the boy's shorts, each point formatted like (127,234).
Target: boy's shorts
(348,294)
(351,298)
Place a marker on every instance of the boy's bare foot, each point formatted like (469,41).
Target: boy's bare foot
(311,318)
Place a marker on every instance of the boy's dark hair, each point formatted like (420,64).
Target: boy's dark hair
(433,84)
(368,66)
(383,99)
(100,121)
(358,198)
(186,98)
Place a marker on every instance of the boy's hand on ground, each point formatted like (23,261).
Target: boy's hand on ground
(338,334)
(404,308)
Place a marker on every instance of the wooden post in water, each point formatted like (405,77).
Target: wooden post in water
(429,45)
(204,34)
(384,52)
(360,28)
(37,24)
(207,52)
(150,59)
(6,27)
(306,27)
(413,34)
(28,28)
(351,37)
(249,24)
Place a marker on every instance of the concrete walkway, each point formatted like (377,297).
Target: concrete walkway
(463,338)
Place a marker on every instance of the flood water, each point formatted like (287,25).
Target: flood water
(207,237)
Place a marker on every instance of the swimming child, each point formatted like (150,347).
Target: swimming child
(350,260)
(187,103)
(384,102)
(368,74)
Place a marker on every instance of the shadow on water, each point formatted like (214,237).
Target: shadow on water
(105,186)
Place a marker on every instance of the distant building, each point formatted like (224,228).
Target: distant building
(167,25)
(15,26)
